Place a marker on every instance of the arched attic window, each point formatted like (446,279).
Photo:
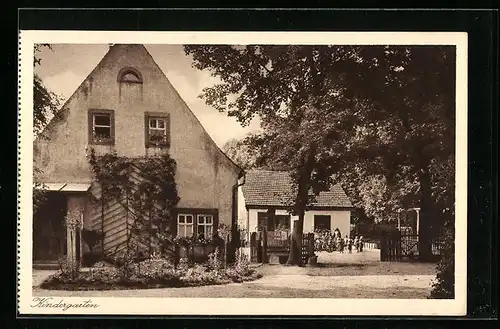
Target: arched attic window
(129,75)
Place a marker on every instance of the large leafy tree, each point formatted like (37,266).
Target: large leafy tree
(45,105)
(241,153)
(284,85)
(45,102)
(381,117)
(407,128)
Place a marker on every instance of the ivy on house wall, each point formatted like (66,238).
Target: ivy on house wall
(145,186)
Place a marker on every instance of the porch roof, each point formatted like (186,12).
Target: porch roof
(275,188)
(67,187)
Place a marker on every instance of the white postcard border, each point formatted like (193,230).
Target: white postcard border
(237,306)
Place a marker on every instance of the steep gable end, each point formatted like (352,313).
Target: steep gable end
(126,84)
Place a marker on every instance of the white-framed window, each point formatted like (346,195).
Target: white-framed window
(101,126)
(157,129)
(205,225)
(185,225)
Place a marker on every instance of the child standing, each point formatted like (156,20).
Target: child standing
(349,245)
(340,243)
(356,243)
(361,243)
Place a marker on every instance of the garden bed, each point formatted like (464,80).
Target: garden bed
(148,274)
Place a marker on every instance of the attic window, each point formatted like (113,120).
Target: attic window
(130,75)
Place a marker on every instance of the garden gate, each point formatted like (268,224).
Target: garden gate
(397,246)
(263,244)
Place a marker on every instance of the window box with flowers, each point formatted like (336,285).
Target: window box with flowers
(101,125)
(198,249)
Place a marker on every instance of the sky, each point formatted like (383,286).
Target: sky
(63,68)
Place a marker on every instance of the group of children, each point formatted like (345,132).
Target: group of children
(349,243)
(326,241)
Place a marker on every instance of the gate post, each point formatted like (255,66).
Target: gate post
(265,259)
(399,255)
(311,244)
(382,247)
(253,247)
(259,247)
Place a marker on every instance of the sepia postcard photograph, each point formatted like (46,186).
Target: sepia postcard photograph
(242,173)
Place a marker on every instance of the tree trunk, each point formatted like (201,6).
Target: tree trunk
(426,214)
(295,255)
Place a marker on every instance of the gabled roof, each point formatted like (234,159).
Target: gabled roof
(146,55)
(275,188)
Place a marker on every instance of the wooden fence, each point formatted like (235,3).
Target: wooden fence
(264,244)
(395,246)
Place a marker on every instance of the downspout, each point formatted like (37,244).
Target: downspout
(234,219)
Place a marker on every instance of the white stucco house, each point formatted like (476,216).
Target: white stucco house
(263,190)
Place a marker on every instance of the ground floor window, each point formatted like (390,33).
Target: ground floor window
(322,222)
(262,221)
(185,225)
(205,225)
(196,222)
(281,222)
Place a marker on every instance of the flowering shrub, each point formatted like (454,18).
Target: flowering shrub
(74,219)
(155,269)
(69,267)
(223,230)
(105,274)
(153,272)
(188,241)
(214,260)
(183,240)
(241,265)
(201,275)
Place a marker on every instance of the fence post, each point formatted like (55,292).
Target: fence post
(311,244)
(253,247)
(259,247)
(399,255)
(383,247)
(265,259)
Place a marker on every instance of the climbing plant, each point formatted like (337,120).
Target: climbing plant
(145,186)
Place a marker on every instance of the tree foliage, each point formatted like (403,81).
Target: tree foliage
(45,102)
(148,199)
(240,152)
(381,117)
